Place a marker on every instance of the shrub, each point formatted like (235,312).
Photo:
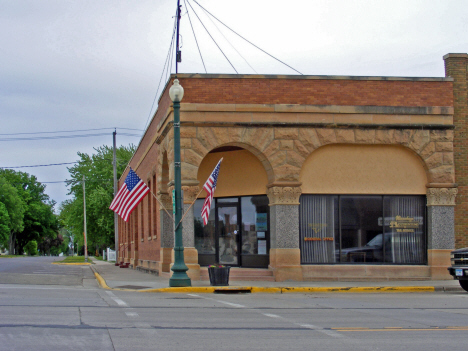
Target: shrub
(31,248)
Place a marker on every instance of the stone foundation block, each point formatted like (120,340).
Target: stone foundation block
(439,261)
(286,264)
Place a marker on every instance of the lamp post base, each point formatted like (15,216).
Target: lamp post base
(179,276)
(179,279)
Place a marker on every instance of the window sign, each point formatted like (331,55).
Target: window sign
(262,247)
(261,222)
(390,220)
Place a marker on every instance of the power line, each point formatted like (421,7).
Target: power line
(196,41)
(211,36)
(60,164)
(48,165)
(71,131)
(166,63)
(227,40)
(246,39)
(79,181)
(64,136)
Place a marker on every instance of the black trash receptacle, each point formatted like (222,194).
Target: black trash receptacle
(219,276)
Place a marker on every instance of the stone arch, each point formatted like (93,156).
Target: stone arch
(254,140)
(241,172)
(434,148)
(364,169)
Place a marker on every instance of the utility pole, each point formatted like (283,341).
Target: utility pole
(84,215)
(178,52)
(116,218)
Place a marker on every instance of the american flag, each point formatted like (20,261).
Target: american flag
(129,195)
(210,187)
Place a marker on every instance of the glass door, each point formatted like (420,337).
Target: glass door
(228,234)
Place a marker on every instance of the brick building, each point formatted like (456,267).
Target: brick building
(322,177)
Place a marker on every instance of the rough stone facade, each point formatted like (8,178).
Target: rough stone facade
(282,120)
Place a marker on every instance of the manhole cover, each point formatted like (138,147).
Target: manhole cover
(133,287)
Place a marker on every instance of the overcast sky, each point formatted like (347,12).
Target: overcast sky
(69,65)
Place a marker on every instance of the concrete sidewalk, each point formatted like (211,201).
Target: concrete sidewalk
(113,277)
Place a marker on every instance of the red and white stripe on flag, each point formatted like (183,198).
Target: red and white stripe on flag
(210,187)
(129,195)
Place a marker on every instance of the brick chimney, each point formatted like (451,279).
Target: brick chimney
(456,67)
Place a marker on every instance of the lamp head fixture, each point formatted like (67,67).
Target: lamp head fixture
(176,92)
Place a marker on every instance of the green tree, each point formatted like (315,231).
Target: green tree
(13,220)
(97,170)
(38,219)
(4,225)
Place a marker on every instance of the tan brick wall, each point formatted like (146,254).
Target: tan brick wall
(317,91)
(456,67)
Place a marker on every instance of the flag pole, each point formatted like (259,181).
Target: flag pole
(162,205)
(196,198)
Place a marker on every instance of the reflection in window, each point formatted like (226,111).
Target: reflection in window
(363,229)
(404,229)
(359,225)
(318,227)
(204,235)
(228,232)
(254,225)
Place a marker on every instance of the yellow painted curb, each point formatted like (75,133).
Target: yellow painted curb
(101,281)
(183,290)
(253,289)
(73,263)
(368,289)
(283,290)
(256,289)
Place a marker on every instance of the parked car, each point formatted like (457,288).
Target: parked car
(371,252)
(386,248)
(459,268)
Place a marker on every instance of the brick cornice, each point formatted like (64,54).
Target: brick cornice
(456,55)
(296,108)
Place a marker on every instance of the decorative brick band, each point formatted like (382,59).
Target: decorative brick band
(287,195)
(441,196)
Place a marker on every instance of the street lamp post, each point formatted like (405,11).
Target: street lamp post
(179,269)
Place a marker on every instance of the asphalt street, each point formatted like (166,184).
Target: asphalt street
(80,315)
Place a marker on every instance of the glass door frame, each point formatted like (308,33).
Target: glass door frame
(234,204)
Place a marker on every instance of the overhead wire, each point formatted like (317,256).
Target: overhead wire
(246,39)
(168,72)
(227,40)
(64,137)
(54,137)
(69,131)
(196,41)
(166,63)
(48,165)
(212,37)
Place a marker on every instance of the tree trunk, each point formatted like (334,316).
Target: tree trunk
(11,245)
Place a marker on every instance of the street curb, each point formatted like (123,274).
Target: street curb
(285,290)
(277,290)
(73,264)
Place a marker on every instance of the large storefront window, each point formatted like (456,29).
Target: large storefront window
(362,229)
(237,233)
